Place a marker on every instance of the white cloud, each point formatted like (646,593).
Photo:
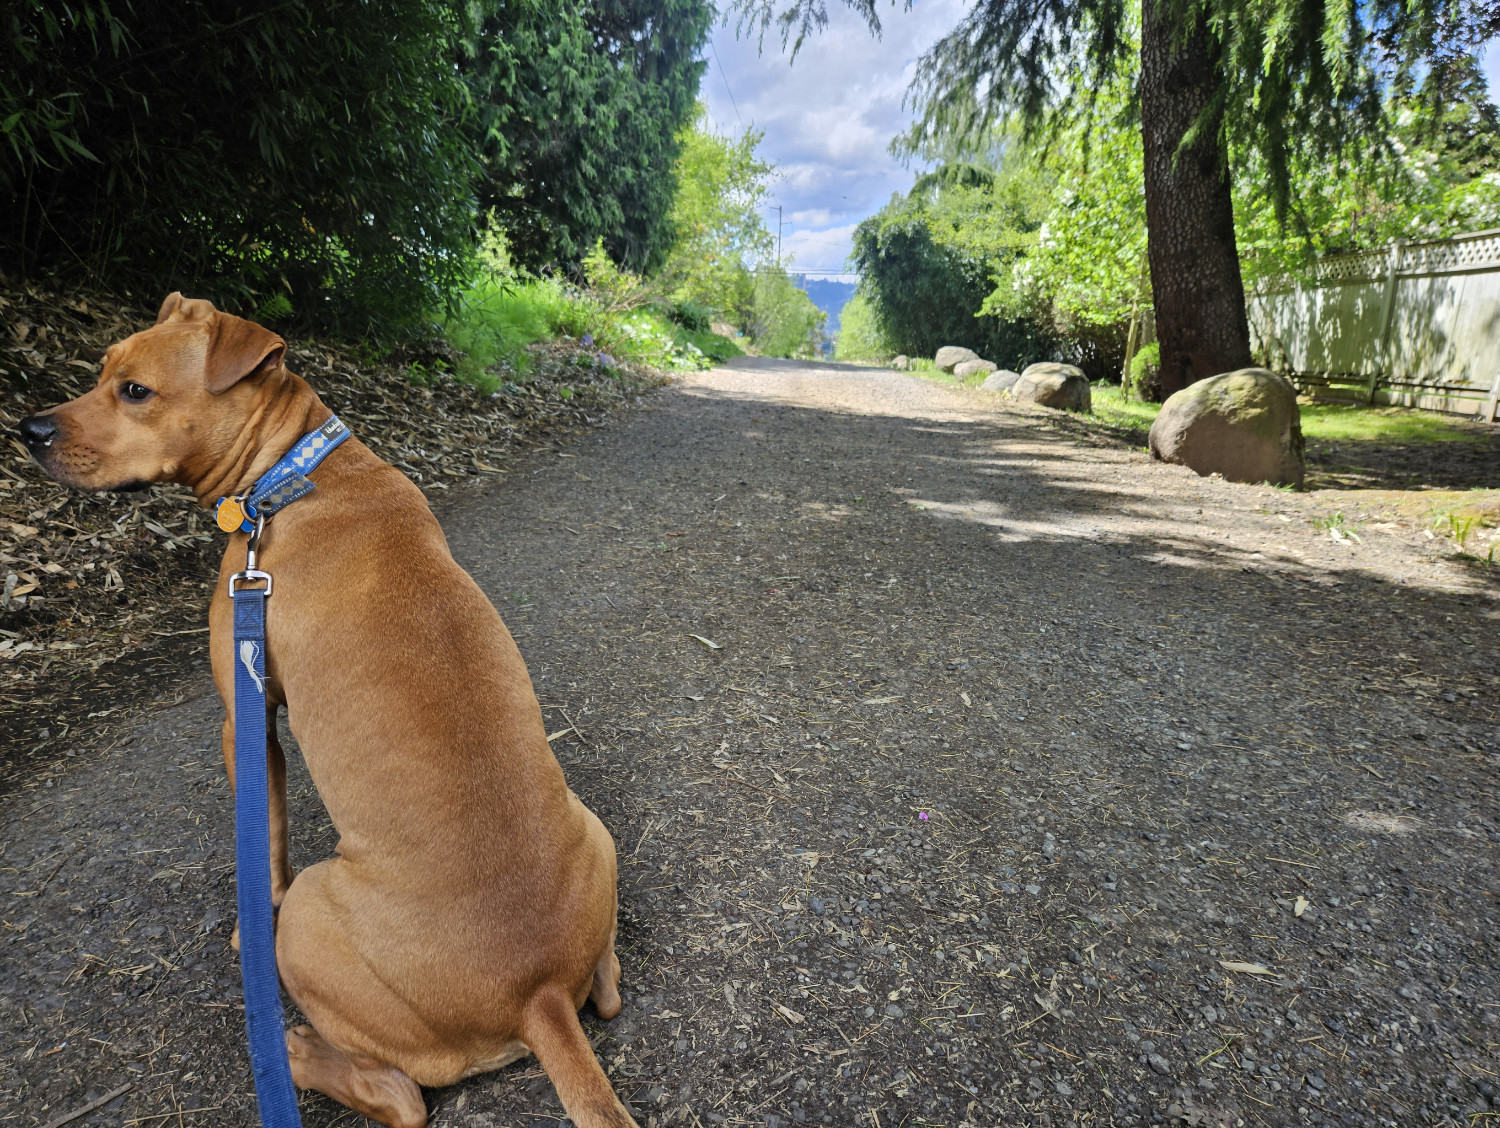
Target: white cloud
(815,217)
(821,250)
(828,116)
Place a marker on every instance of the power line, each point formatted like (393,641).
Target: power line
(800,270)
(714,51)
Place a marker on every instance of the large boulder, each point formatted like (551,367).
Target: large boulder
(950,356)
(967,368)
(1001,380)
(1244,425)
(901,363)
(1054,385)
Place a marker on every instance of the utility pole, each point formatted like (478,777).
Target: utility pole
(768,207)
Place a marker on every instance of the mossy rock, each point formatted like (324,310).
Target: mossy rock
(1054,385)
(1243,425)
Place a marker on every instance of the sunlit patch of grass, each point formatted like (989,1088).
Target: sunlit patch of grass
(1321,422)
(1110,406)
(1345,422)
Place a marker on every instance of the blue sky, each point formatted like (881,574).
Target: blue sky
(828,116)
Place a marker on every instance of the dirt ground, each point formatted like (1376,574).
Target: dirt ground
(965,768)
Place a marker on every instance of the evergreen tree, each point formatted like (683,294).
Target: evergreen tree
(578,109)
(1284,80)
(299,150)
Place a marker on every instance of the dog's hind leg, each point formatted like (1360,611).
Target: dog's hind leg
(604,992)
(371,1088)
(550,1027)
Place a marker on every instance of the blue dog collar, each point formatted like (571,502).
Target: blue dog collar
(284,483)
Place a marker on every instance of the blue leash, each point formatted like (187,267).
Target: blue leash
(283,484)
(274,1091)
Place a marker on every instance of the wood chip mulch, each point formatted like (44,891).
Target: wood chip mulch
(96,589)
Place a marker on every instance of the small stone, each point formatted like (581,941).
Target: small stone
(1063,1089)
(1034,890)
(1054,385)
(950,357)
(894,1011)
(1174,1111)
(1159,1063)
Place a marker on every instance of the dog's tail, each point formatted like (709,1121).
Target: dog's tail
(553,1033)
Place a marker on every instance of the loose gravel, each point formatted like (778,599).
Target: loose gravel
(965,771)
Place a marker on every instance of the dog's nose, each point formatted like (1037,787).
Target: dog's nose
(38,430)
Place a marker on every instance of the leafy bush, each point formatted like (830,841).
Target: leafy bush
(713,346)
(860,336)
(928,262)
(186,146)
(1145,373)
(691,315)
(785,322)
(501,311)
(718,216)
(578,106)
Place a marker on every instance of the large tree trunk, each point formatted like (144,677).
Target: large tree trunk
(1195,269)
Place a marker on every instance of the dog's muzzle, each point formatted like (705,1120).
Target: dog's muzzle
(38,432)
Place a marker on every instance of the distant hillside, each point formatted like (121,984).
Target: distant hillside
(830,297)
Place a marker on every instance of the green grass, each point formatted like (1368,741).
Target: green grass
(1113,408)
(712,345)
(1337,422)
(497,317)
(1323,422)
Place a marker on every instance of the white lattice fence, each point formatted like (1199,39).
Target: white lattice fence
(1417,325)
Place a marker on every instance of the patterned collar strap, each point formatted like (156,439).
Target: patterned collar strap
(284,483)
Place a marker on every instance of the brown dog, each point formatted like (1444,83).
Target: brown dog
(469,910)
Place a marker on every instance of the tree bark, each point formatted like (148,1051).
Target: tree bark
(1196,287)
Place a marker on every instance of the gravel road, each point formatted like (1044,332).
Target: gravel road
(965,769)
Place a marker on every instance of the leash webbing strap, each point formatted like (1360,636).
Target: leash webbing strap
(274,1091)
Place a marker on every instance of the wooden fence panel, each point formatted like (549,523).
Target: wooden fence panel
(1417,325)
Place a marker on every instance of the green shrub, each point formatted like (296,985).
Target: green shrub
(785,322)
(309,151)
(1145,373)
(496,317)
(715,347)
(693,316)
(860,336)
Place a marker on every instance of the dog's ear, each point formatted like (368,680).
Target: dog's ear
(178,308)
(238,348)
(169,307)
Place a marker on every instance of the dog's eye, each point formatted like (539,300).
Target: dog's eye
(133,391)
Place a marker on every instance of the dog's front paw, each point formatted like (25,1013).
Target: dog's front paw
(234,937)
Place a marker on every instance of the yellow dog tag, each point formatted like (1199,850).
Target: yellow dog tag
(231,514)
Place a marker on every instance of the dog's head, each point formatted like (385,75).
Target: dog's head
(169,401)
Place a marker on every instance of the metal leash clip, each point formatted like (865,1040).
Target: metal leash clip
(251,573)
